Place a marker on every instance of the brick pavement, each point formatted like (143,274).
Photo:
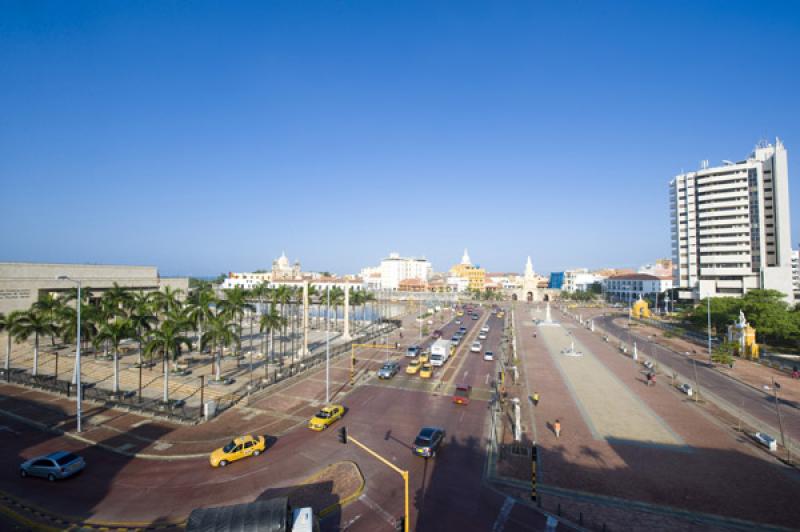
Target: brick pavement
(713,475)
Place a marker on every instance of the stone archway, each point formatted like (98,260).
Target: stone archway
(547,297)
(513,297)
(529,297)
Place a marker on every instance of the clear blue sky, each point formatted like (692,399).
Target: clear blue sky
(208,137)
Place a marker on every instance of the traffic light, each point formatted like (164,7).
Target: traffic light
(343,435)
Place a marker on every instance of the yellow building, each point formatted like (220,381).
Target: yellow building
(474,275)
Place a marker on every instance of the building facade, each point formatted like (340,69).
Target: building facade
(395,269)
(626,288)
(474,275)
(730,227)
(22,283)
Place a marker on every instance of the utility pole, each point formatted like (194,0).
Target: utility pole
(328,348)
(708,300)
(775,388)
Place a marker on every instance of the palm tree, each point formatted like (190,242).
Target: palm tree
(235,304)
(366,297)
(269,323)
(200,308)
(9,323)
(168,339)
(313,292)
(118,295)
(167,299)
(337,299)
(49,306)
(220,333)
(281,295)
(142,321)
(114,333)
(33,323)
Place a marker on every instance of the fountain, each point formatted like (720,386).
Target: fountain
(548,317)
(570,351)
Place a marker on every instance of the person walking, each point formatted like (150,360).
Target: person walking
(535,398)
(557,428)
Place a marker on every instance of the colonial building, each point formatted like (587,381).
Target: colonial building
(282,270)
(474,275)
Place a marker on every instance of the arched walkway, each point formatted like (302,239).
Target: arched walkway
(513,297)
(547,297)
(530,297)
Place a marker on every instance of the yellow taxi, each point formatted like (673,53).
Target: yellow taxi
(325,417)
(238,448)
(426,371)
(423,357)
(413,366)
(501,314)
(460,313)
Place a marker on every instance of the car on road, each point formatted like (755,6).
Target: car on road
(425,371)
(485,329)
(458,322)
(475,347)
(388,370)
(482,336)
(53,466)
(424,356)
(500,314)
(462,393)
(413,366)
(428,441)
(488,355)
(238,448)
(456,339)
(687,389)
(474,316)
(437,334)
(459,313)
(462,330)
(413,350)
(326,417)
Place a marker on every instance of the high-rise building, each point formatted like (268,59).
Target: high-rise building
(731,226)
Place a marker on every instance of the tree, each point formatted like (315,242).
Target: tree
(49,306)
(220,332)
(200,305)
(168,339)
(167,299)
(142,321)
(33,323)
(114,333)
(723,353)
(235,304)
(269,322)
(8,324)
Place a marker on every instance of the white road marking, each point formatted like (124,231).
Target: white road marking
(375,508)
(487,379)
(502,517)
(465,374)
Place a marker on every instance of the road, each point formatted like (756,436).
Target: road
(758,404)
(447,492)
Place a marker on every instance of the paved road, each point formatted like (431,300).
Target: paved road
(447,492)
(755,403)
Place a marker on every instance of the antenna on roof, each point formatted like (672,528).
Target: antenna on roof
(704,164)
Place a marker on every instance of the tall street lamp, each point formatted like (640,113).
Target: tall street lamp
(77,348)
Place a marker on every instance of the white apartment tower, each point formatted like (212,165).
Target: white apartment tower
(395,269)
(730,226)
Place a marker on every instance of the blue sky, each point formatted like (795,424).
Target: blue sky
(207,137)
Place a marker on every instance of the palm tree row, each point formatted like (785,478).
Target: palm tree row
(163,323)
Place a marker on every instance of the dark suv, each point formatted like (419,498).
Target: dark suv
(428,441)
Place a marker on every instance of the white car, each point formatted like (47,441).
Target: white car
(488,355)
(482,336)
(475,347)
(485,329)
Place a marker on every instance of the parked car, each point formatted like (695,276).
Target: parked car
(461,395)
(326,417)
(475,347)
(488,355)
(428,441)
(687,389)
(238,448)
(388,370)
(54,466)
(413,350)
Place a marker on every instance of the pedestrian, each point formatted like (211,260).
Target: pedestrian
(557,428)
(535,398)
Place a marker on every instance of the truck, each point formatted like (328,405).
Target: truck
(440,352)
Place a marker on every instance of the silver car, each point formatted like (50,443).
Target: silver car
(388,370)
(57,465)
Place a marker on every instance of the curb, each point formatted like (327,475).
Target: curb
(350,498)
(10,504)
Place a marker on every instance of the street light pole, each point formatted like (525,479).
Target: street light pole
(328,349)
(709,326)
(77,351)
